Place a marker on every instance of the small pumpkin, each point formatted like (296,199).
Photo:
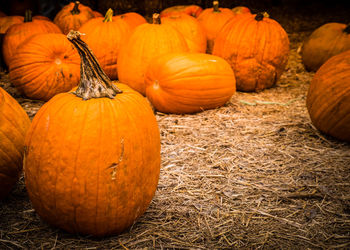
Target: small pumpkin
(326,41)
(14,123)
(328,97)
(93,155)
(105,37)
(147,41)
(190,28)
(17,33)
(212,20)
(132,18)
(183,83)
(73,16)
(256,47)
(192,10)
(45,65)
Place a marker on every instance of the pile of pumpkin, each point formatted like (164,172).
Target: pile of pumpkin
(92,154)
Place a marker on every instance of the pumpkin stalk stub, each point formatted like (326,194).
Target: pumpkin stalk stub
(28,16)
(75,10)
(94,83)
(156,18)
(216,6)
(108,16)
(347,29)
(260,16)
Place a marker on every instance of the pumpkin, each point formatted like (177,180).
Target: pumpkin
(147,41)
(14,123)
(183,83)
(105,36)
(132,18)
(17,33)
(192,10)
(212,20)
(190,28)
(7,21)
(256,47)
(97,14)
(73,16)
(93,155)
(326,41)
(328,97)
(45,65)
(241,10)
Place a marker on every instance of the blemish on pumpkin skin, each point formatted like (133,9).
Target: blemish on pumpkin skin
(114,165)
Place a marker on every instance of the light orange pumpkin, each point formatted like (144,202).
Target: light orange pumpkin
(93,155)
(183,83)
(326,41)
(328,97)
(14,123)
(190,28)
(45,65)
(212,20)
(105,37)
(17,33)
(147,41)
(73,16)
(256,47)
(192,10)
(241,10)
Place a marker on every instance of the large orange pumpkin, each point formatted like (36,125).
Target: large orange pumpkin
(93,156)
(212,20)
(192,10)
(105,37)
(73,16)
(45,65)
(328,97)
(326,41)
(256,47)
(147,41)
(190,28)
(14,123)
(188,82)
(17,33)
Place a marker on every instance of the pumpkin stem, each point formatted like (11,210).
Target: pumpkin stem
(94,83)
(28,16)
(216,6)
(108,16)
(347,29)
(75,10)
(260,16)
(156,18)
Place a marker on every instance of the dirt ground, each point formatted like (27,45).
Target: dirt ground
(254,174)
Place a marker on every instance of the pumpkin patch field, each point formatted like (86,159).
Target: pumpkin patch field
(175,125)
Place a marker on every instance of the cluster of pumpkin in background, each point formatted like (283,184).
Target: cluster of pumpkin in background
(185,61)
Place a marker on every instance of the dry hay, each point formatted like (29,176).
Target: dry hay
(252,174)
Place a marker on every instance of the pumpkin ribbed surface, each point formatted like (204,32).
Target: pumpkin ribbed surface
(328,97)
(191,10)
(17,33)
(191,29)
(257,50)
(93,155)
(14,123)
(323,43)
(7,21)
(73,16)
(146,42)
(133,19)
(45,65)
(105,37)
(189,82)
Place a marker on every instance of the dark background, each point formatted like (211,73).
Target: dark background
(313,13)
